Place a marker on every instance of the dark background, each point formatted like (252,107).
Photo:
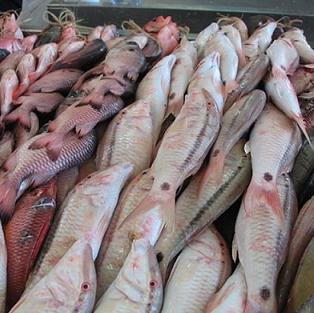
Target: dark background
(10,5)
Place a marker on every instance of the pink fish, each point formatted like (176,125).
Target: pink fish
(8,84)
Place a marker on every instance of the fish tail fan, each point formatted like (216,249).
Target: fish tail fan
(8,194)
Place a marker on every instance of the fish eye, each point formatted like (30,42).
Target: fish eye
(85,286)
(153,284)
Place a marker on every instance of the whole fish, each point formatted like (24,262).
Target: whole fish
(236,22)
(203,37)
(26,167)
(194,211)
(229,61)
(154,88)
(138,287)
(186,58)
(303,78)
(277,137)
(81,118)
(308,306)
(24,235)
(6,146)
(128,138)
(283,56)
(232,295)
(8,83)
(66,180)
(26,66)
(279,88)
(58,81)
(199,272)
(22,133)
(303,286)
(207,76)
(301,235)
(40,102)
(262,244)
(11,61)
(181,154)
(298,39)
(259,41)
(235,123)
(71,285)
(3,271)
(247,79)
(77,217)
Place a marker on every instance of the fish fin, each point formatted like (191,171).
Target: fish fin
(8,194)
(234,251)
(301,123)
(230,86)
(83,129)
(265,193)
(19,115)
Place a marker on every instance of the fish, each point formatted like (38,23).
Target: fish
(298,39)
(198,273)
(207,76)
(307,307)
(71,285)
(3,270)
(303,287)
(152,50)
(180,155)
(235,37)
(91,200)
(26,66)
(26,104)
(303,78)
(262,245)
(84,59)
(186,58)
(25,234)
(79,118)
(138,286)
(6,146)
(260,40)
(154,88)
(278,87)
(283,56)
(235,123)
(301,235)
(45,56)
(229,60)
(11,61)
(232,295)
(128,138)
(58,81)
(22,133)
(26,167)
(203,37)
(8,83)
(28,43)
(236,22)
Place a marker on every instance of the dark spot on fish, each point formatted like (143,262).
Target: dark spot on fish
(89,176)
(26,235)
(164,186)
(225,34)
(265,293)
(159,257)
(152,284)
(268,176)
(179,61)
(224,82)
(172,95)
(283,67)
(131,49)
(286,185)
(216,152)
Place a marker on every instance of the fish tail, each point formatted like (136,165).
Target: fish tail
(19,115)
(8,194)
(301,123)
(265,193)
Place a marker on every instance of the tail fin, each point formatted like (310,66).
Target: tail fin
(301,123)
(8,194)
(19,115)
(263,193)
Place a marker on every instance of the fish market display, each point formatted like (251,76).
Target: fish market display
(124,147)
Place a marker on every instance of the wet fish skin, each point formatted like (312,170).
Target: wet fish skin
(26,167)
(24,235)
(11,61)
(75,217)
(70,48)
(194,211)
(22,133)
(6,146)
(247,79)
(8,83)
(138,286)
(200,270)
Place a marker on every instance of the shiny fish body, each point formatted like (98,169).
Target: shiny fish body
(199,272)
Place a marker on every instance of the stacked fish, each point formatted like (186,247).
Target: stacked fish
(113,206)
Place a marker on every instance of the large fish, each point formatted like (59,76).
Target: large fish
(128,138)
(262,243)
(8,83)
(26,167)
(24,235)
(138,287)
(200,270)
(92,200)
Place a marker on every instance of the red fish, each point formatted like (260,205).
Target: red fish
(24,235)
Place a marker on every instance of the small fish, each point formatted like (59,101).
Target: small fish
(40,102)
(8,83)
(24,235)
(199,272)
(22,133)
(237,23)
(231,297)
(235,123)
(77,217)
(260,40)
(11,61)
(138,287)
(6,146)
(26,167)
(279,138)
(128,138)
(186,58)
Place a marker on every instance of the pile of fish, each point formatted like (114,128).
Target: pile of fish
(145,172)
